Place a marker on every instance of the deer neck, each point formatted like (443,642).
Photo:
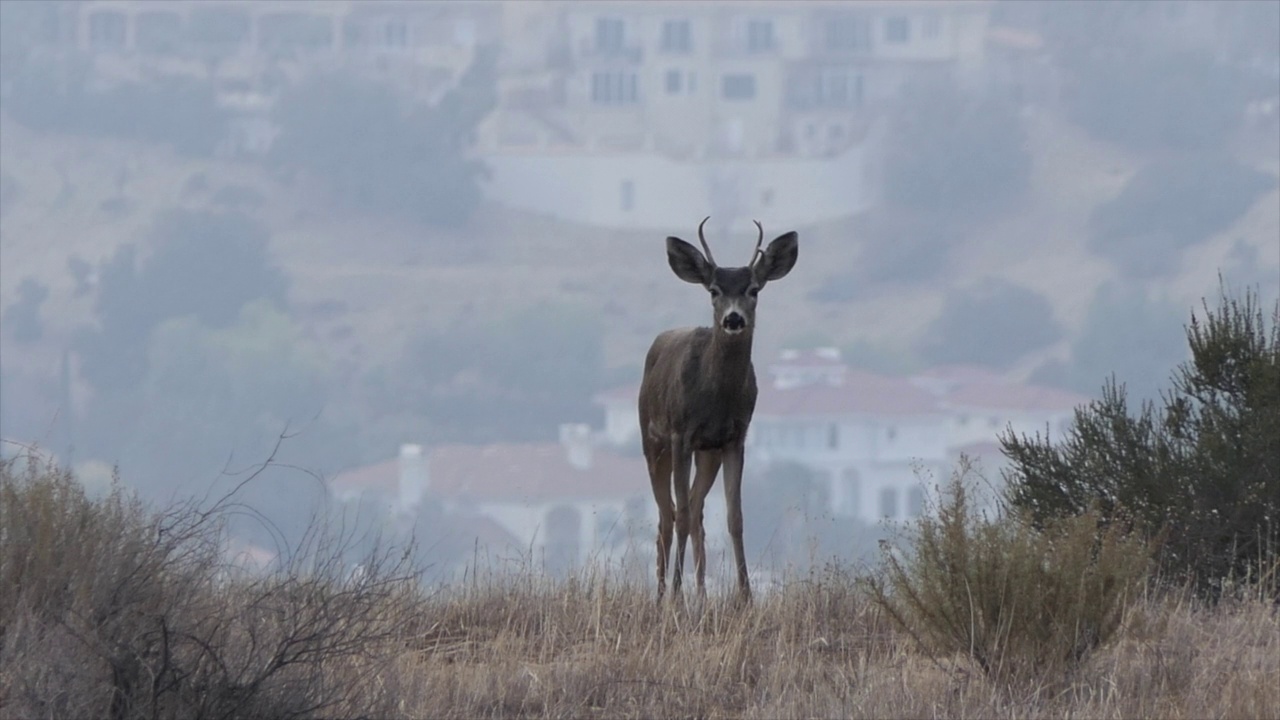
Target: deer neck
(727,361)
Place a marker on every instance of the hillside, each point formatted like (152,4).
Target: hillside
(361,284)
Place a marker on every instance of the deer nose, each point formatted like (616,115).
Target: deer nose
(734,321)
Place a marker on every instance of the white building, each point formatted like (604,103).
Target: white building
(879,442)
(642,115)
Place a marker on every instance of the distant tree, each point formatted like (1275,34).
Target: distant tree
(22,318)
(1171,204)
(1180,101)
(379,154)
(202,264)
(994,324)
(954,155)
(218,399)
(1125,333)
(517,376)
(180,112)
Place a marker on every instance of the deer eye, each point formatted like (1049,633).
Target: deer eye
(753,291)
(715,292)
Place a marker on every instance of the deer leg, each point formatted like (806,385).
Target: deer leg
(733,461)
(660,478)
(707,463)
(682,460)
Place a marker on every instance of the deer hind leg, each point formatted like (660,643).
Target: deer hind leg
(733,461)
(681,460)
(707,464)
(659,460)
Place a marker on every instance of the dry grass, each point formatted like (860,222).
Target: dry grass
(816,648)
(105,614)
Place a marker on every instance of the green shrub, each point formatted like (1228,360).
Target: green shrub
(1018,600)
(1205,465)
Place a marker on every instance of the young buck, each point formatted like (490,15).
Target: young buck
(697,398)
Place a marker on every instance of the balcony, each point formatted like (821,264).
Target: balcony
(592,51)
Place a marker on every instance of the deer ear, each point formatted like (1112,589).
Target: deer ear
(778,258)
(687,263)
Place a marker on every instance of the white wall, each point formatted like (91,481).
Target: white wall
(666,193)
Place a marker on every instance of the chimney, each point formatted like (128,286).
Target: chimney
(413,475)
(576,439)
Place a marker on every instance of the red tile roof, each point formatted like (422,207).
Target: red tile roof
(384,477)
(509,472)
(860,393)
(532,472)
(621,393)
(1009,396)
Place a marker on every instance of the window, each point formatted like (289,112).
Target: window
(831,87)
(852,491)
(932,25)
(889,503)
(395,33)
(628,195)
(759,36)
(158,32)
(219,26)
(609,35)
(673,82)
(610,531)
(833,430)
(738,87)
(915,501)
(107,30)
(848,33)
(613,88)
(897,30)
(677,36)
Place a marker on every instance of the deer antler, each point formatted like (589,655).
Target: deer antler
(703,240)
(758,252)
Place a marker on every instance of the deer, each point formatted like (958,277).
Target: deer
(697,396)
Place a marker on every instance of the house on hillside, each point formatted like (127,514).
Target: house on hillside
(877,442)
(558,504)
(645,114)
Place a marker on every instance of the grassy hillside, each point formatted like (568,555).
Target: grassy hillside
(363,283)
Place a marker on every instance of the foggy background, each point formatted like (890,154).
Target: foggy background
(322,232)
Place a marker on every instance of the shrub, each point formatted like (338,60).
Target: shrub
(1171,204)
(180,112)
(1020,601)
(994,324)
(23,317)
(1158,101)
(1205,465)
(378,155)
(955,156)
(108,609)
(1124,334)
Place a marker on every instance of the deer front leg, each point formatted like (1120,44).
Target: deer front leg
(681,461)
(733,461)
(660,478)
(707,463)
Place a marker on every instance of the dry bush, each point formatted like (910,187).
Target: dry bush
(1020,601)
(101,623)
(108,609)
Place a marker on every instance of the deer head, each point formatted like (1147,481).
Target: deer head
(733,289)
